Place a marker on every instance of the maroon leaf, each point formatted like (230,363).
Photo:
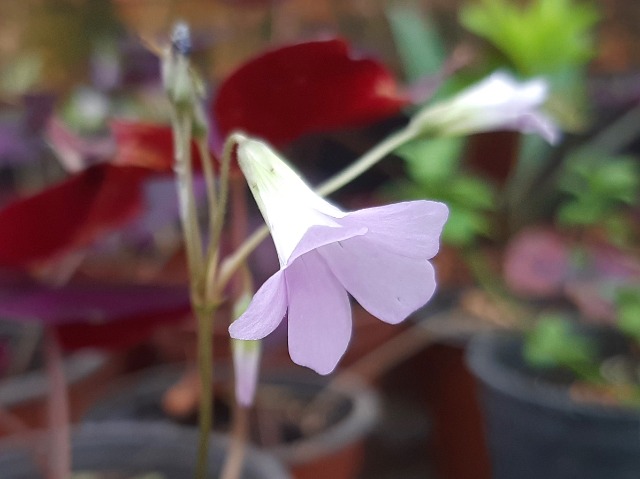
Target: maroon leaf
(304,88)
(116,335)
(89,314)
(144,144)
(69,215)
(150,146)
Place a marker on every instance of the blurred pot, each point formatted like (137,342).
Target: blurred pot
(133,448)
(535,429)
(314,427)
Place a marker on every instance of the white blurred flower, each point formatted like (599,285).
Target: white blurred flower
(499,102)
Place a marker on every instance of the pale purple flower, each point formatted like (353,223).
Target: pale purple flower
(378,255)
(498,102)
(246,363)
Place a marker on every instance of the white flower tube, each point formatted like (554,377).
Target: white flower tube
(499,102)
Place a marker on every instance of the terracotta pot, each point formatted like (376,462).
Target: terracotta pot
(438,377)
(346,413)
(133,448)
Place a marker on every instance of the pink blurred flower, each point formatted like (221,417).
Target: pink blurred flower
(537,263)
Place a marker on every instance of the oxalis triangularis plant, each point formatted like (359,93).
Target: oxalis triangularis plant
(379,255)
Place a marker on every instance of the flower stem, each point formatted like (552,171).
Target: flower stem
(204,313)
(186,197)
(210,180)
(205,366)
(223,195)
(366,161)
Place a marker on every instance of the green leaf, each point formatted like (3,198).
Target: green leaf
(432,160)
(617,180)
(464,226)
(598,189)
(539,37)
(417,41)
(553,343)
(628,306)
(580,213)
(473,192)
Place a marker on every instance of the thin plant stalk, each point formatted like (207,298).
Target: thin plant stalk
(242,282)
(218,223)
(365,162)
(238,446)
(184,181)
(59,451)
(204,315)
(209,178)
(205,318)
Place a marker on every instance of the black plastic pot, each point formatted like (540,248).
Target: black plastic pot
(126,449)
(535,430)
(34,385)
(349,412)
(25,395)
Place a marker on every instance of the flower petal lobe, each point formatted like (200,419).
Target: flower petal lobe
(266,311)
(410,228)
(388,285)
(319,314)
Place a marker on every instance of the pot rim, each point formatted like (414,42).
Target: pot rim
(34,384)
(482,361)
(361,419)
(180,440)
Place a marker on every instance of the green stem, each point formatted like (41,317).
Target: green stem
(223,194)
(239,256)
(184,180)
(366,161)
(209,178)
(205,318)
(193,243)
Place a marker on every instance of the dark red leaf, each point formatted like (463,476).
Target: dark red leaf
(90,314)
(304,88)
(92,302)
(117,335)
(149,145)
(69,215)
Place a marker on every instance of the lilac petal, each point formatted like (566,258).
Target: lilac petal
(320,235)
(319,314)
(388,285)
(265,312)
(410,229)
(538,123)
